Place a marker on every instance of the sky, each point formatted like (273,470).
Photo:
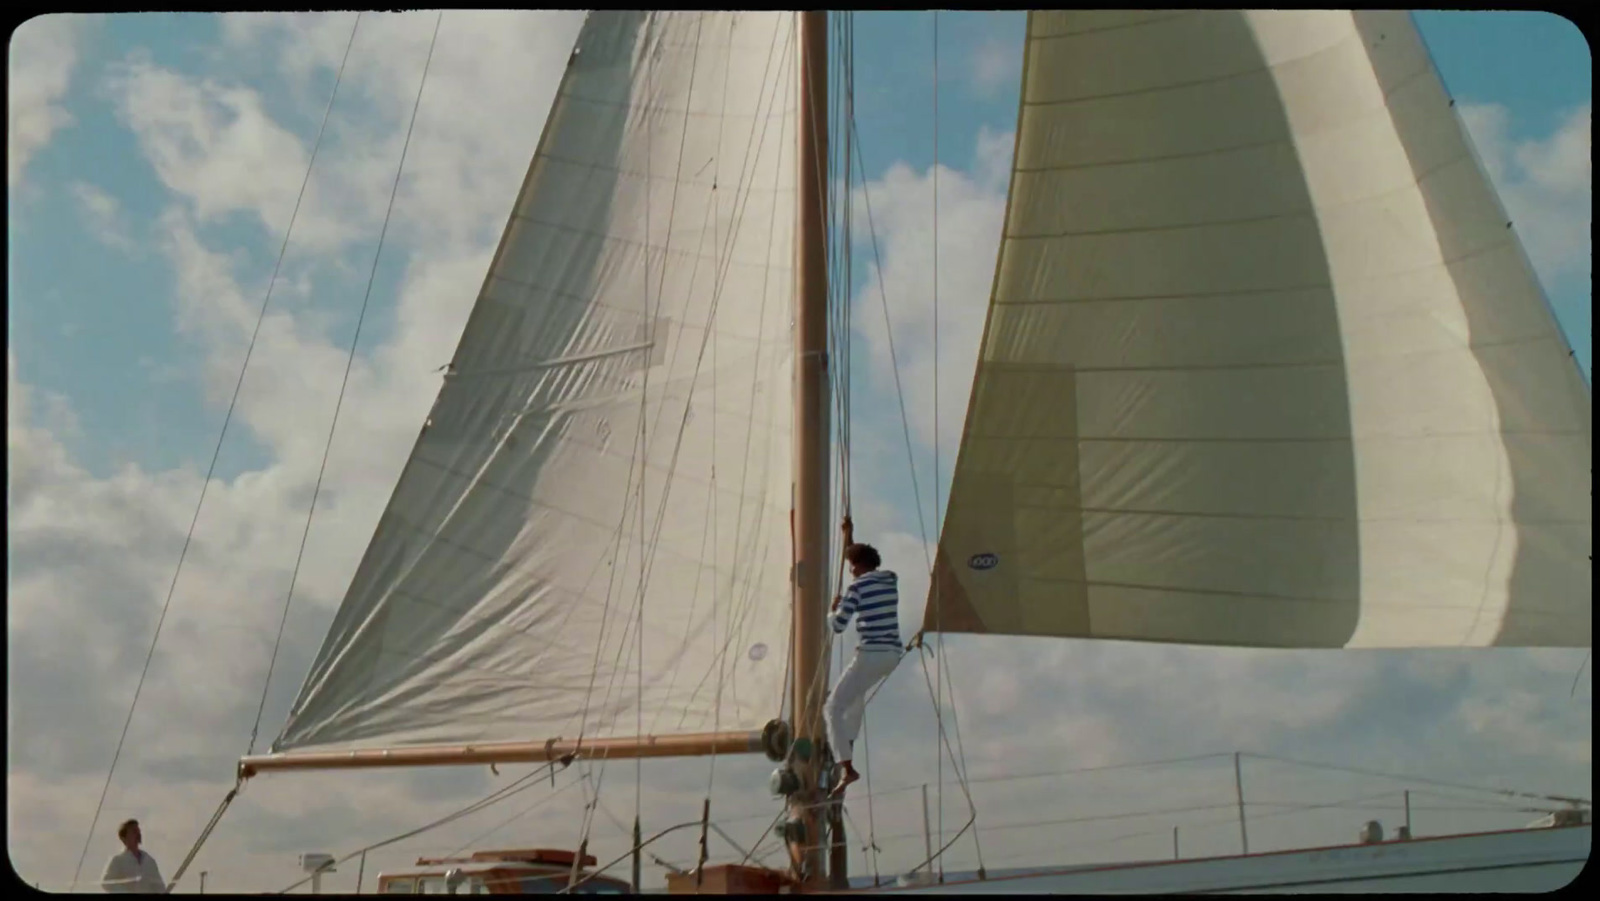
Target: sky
(153,164)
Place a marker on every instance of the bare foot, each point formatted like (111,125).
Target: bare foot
(850,775)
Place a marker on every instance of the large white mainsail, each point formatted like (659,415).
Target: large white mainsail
(1265,364)
(646,274)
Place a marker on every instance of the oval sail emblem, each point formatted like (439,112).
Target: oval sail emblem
(758,651)
(983,561)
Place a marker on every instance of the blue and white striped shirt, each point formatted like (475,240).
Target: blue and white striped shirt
(874,600)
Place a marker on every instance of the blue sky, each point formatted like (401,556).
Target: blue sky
(161,154)
(102,334)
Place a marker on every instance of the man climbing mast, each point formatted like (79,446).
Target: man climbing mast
(873,598)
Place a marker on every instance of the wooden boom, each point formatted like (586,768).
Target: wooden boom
(699,744)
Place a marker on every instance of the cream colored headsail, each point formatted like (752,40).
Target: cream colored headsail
(645,275)
(1265,364)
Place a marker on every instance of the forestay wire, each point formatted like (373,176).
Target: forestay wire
(216,454)
(350,360)
(344,384)
(957,754)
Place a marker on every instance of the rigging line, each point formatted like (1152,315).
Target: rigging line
(842,284)
(585,777)
(868,851)
(1232,820)
(205,833)
(1226,821)
(1071,772)
(640,451)
(765,834)
(961,778)
(1096,769)
(1435,782)
(944,736)
(938,475)
(742,199)
(1498,804)
(716,356)
(708,539)
(593,803)
(1130,815)
(644,394)
(1327,805)
(742,202)
(872,825)
(678,445)
(779,85)
(1095,843)
(790,680)
(939,854)
(1579,674)
(216,454)
(739,616)
(894,363)
(723,248)
(590,804)
(617,546)
(432,845)
(350,361)
(567,889)
(521,784)
(959,761)
(616,821)
(831,220)
(849,240)
(1360,804)
(524,812)
(656,858)
(1098,818)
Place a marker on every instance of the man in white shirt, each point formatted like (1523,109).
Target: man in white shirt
(133,870)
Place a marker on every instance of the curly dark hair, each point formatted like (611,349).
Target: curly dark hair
(127,825)
(864,555)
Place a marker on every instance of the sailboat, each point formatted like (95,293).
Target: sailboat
(1264,366)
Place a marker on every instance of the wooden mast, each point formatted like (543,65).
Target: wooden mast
(811,525)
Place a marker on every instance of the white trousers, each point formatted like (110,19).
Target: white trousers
(848,703)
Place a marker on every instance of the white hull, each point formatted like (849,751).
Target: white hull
(1528,860)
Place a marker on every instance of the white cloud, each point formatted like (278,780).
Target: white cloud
(995,62)
(105,216)
(215,146)
(44,51)
(1546,185)
(970,209)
